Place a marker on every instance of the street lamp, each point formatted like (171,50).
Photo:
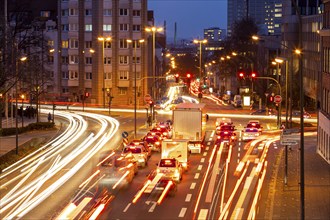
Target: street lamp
(153,30)
(200,42)
(103,40)
(22,96)
(22,59)
(135,44)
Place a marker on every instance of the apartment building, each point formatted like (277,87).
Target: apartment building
(94,58)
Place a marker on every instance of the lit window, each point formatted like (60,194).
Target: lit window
(65,44)
(88,27)
(107,27)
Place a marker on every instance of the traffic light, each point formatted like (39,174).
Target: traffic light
(86,94)
(253,75)
(271,98)
(54,106)
(188,75)
(241,75)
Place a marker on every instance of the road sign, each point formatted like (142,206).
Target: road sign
(147,98)
(278,99)
(124,134)
(291,142)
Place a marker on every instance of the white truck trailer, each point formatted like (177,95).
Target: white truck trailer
(176,148)
(189,120)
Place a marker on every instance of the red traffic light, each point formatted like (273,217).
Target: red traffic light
(86,94)
(271,98)
(253,75)
(177,75)
(241,74)
(188,75)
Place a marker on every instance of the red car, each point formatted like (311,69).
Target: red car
(226,136)
(153,141)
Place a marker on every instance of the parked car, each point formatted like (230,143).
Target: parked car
(297,114)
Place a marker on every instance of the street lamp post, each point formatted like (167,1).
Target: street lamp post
(279,88)
(153,30)
(200,42)
(135,42)
(103,40)
(22,96)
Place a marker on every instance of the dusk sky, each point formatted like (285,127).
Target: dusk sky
(191,16)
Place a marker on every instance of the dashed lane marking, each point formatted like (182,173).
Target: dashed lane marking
(204,154)
(193,185)
(125,210)
(208,143)
(199,167)
(152,208)
(210,139)
(207,148)
(203,214)
(182,212)
(202,160)
(188,197)
(196,176)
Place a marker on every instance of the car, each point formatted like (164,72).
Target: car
(118,170)
(222,121)
(297,114)
(163,130)
(139,152)
(225,127)
(226,136)
(154,142)
(270,112)
(250,134)
(171,168)
(141,142)
(254,124)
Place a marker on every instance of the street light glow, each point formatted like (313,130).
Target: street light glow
(297,51)
(279,60)
(255,37)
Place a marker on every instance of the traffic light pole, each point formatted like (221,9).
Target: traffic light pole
(279,105)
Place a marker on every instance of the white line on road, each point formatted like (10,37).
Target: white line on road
(153,207)
(204,154)
(238,154)
(188,197)
(203,214)
(208,143)
(193,185)
(207,148)
(199,167)
(239,149)
(125,210)
(196,176)
(182,212)
(202,160)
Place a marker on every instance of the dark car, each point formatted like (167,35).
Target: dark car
(226,136)
(154,142)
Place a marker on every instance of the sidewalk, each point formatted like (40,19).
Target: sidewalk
(285,199)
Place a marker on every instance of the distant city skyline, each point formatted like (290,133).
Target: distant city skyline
(191,16)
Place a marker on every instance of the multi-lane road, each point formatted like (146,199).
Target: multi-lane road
(224,181)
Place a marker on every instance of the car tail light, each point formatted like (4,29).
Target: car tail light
(157,143)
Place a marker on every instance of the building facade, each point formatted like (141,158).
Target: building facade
(267,14)
(94,57)
(323,97)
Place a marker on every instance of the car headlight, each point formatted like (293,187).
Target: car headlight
(157,143)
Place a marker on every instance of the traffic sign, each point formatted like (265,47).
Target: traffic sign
(291,142)
(278,99)
(147,98)
(124,134)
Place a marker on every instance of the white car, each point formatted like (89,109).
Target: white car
(171,168)
(250,134)
(139,152)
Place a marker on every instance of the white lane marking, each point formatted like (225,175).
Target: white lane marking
(208,143)
(199,167)
(203,214)
(188,197)
(202,160)
(210,139)
(239,149)
(193,185)
(207,148)
(239,155)
(196,176)
(152,208)
(204,154)
(237,160)
(125,210)
(182,212)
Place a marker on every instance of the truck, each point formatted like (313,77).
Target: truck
(189,120)
(177,149)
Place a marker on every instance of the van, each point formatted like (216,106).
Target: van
(237,101)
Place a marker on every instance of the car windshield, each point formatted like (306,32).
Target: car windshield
(167,163)
(133,150)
